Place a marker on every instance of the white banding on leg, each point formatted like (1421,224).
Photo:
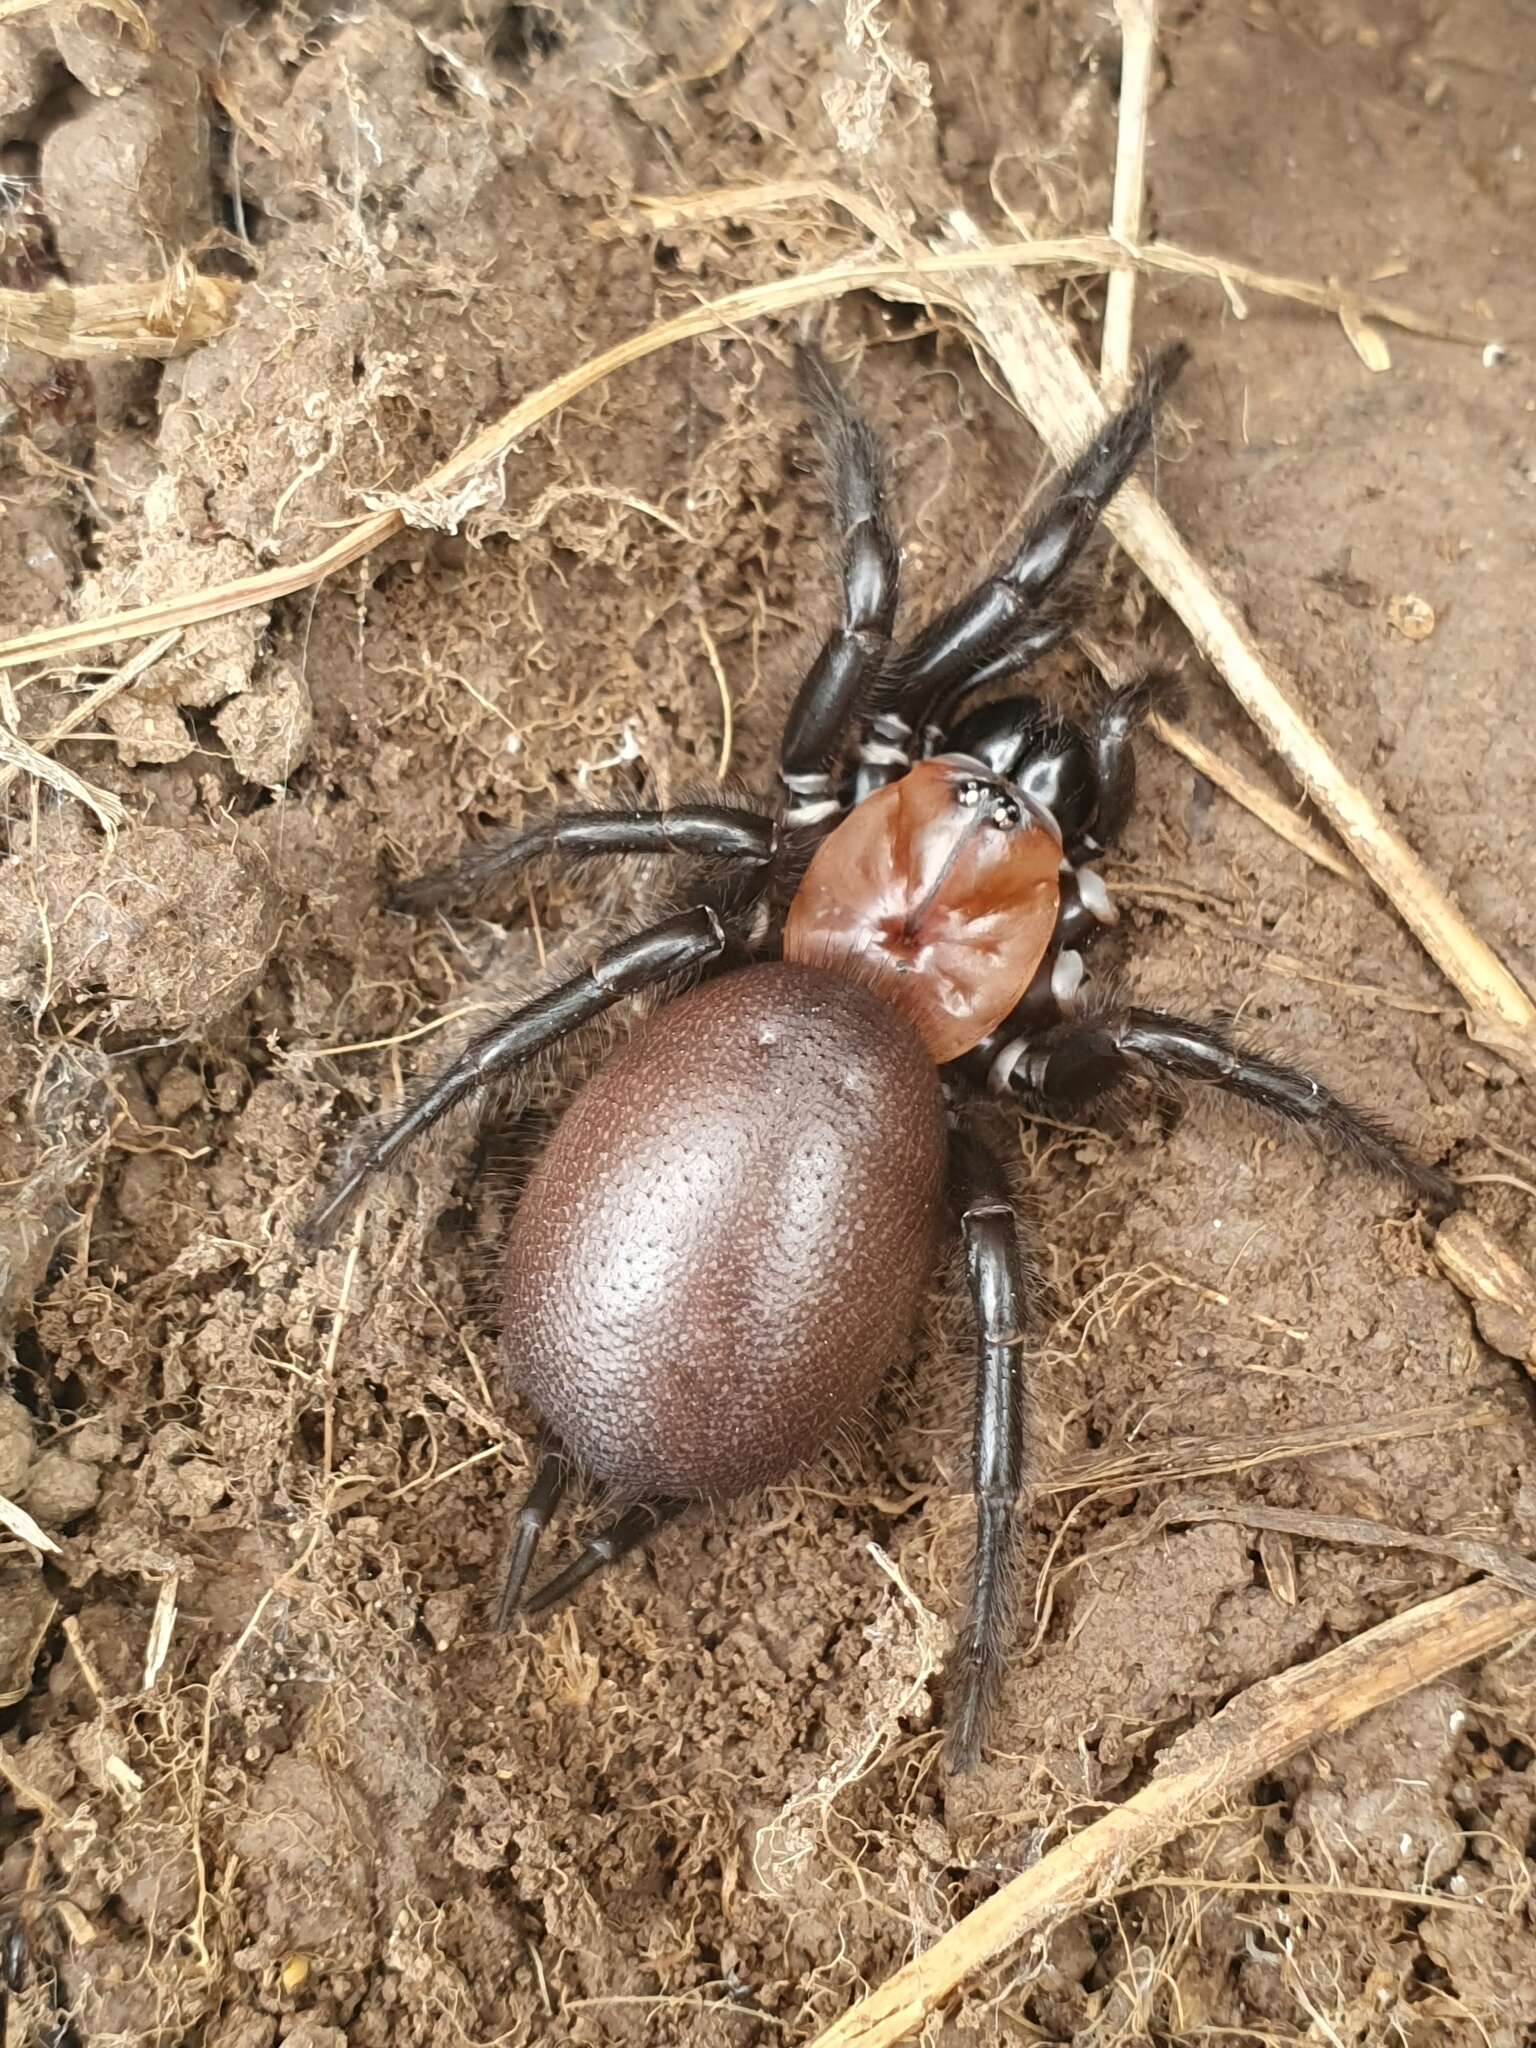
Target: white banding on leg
(1095,897)
(1000,1073)
(876,754)
(1066,978)
(813,813)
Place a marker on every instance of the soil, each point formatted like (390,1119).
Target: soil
(706,1803)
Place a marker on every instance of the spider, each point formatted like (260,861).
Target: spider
(727,1240)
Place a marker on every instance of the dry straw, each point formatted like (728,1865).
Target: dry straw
(1213,1763)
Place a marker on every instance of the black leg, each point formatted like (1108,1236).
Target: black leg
(722,832)
(1098,1055)
(1003,625)
(846,669)
(1114,758)
(663,951)
(1003,1288)
(603,1548)
(540,1502)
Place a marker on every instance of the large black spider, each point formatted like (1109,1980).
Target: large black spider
(727,1240)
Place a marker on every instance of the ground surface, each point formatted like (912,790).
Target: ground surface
(341,1812)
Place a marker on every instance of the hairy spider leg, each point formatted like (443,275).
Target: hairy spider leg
(604,1547)
(1005,1285)
(662,952)
(1016,614)
(731,833)
(845,672)
(1102,1052)
(528,1525)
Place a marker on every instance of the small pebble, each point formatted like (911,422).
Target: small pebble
(1411,616)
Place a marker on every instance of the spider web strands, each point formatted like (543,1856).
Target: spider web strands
(1214,1762)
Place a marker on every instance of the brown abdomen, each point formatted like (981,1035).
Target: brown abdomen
(727,1240)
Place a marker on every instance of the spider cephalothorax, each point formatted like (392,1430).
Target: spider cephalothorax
(728,1238)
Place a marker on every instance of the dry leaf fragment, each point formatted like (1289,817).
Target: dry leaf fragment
(21,1524)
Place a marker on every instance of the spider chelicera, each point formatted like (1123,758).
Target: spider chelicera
(727,1241)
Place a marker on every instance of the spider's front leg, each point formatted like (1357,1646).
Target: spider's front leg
(1018,612)
(845,672)
(1005,1284)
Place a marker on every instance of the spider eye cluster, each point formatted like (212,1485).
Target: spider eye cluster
(1005,813)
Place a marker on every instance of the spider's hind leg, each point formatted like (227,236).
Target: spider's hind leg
(1006,1287)
(1093,1056)
(604,1547)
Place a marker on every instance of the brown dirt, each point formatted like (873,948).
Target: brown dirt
(341,1812)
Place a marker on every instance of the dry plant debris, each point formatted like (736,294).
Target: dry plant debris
(158,318)
(1213,1763)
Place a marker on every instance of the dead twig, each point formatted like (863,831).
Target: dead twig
(1138,46)
(1501,1290)
(1215,1761)
(155,317)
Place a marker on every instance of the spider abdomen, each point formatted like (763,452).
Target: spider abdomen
(726,1242)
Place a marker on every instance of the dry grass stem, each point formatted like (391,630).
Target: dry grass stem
(1234,782)
(1056,394)
(22,759)
(28,1794)
(1198,1457)
(1066,254)
(1213,1763)
(162,1627)
(1279,817)
(727,713)
(1138,46)
(75,1637)
(1477,1553)
(85,710)
(156,317)
(491,445)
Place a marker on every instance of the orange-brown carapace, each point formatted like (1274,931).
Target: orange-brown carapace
(939,892)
